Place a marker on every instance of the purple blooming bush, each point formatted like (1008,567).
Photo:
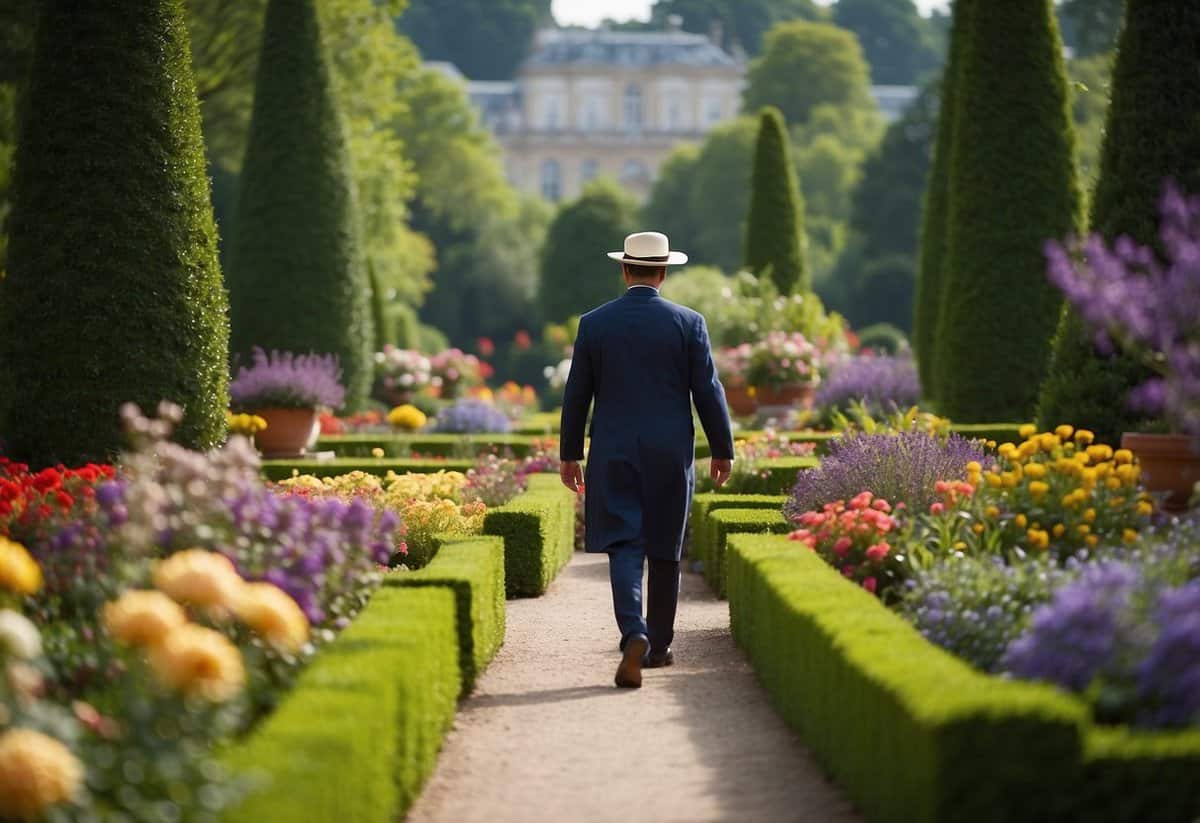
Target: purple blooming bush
(472,416)
(287,380)
(883,384)
(901,468)
(1147,303)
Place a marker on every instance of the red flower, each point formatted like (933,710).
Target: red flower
(522,340)
(64,500)
(486,347)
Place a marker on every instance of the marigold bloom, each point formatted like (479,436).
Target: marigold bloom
(199,662)
(1123,456)
(1064,431)
(992,512)
(1084,437)
(1021,520)
(1037,488)
(1027,430)
(1129,535)
(199,578)
(1038,538)
(36,773)
(272,613)
(19,572)
(142,618)
(1145,509)
(1100,451)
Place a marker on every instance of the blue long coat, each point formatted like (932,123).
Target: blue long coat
(644,360)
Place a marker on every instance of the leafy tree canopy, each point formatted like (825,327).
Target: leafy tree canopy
(899,43)
(485,39)
(742,22)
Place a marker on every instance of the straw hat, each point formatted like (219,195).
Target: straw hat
(649,248)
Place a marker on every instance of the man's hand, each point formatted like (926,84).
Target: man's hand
(721,469)
(572,475)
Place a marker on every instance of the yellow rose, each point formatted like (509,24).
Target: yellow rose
(19,572)
(36,773)
(1027,431)
(142,618)
(1064,431)
(199,578)
(272,613)
(199,662)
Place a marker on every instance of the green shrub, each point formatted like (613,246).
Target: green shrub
(297,278)
(775,475)
(1000,432)
(775,239)
(360,731)
(1010,190)
(538,527)
(1146,140)
(435,444)
(473,568)
(113,291)
(542,423)
(706,503)
(910,732)
(283,469)
(715,530)
(1130,777)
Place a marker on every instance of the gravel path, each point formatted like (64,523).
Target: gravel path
(546,736)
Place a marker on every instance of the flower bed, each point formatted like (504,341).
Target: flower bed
(433,444)
(380,466)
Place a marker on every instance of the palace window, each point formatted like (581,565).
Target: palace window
(551,180)
(633,107)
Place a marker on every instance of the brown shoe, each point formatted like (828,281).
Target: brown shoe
(629,673)
(656,660)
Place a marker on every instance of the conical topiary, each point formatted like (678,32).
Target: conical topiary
(775,239)
(1012,185)
(297,279)
(113,291)
(932,253)
(1152,133)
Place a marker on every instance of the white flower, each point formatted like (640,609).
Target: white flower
(18,636)
(406,380)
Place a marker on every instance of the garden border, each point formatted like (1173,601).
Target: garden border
(399,446)
(538,527)
(720,524)
(277,470)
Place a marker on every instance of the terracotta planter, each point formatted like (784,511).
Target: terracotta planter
(740,401)
(1170,463)
(288,431)
(795,395)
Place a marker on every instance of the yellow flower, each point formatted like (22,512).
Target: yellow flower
(199,662)
(994,480)
(1092,541)
(272,613)
(1116,502)
(1064,431)
(1026,431)
(1100,452)
(1090,515)
(1007,450)
(407,417)
(36,773)
(992,512)
(1129,536)
(977,528)
(1129,473)
(1113,483)
(142,618)
(1059,530)
(1038,538)
(1028,449)
(199,578)
(960,546)
(377,452)
(1009,479)
(19,572)
(1084,437)
(1035,471)
(1123,456)
(974,466)
(1083,529)
(1049,441)
(1021,521)
(1037,488)
(245,424)
(1144,509)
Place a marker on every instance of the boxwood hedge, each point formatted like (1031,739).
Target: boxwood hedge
(538,527)
(283,469)
(715,531)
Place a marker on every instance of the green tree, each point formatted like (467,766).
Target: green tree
(298,281)
(1009,191)
(668,209)
(17,22)
(576,276)
(775,237)
(931,261)
(485,39)
(118,297)
(720,195)
(1091,79)
(1094,24)
(741,23)
(898,42)
(1152,134)
(805,65)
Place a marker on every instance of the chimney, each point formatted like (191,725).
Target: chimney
(716,32)
(674,23)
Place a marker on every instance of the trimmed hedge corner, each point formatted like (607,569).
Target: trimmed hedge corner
(283,469)
(714,532)
(538,527)
(439,445)
(360,732)
(706,503)
(473,568)
(914,734)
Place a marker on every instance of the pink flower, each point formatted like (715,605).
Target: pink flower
(881,505)
(870,585)
(847,571)
(879,551)
(937,508)
(941,486)
(842,547)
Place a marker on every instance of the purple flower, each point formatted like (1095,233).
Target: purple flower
(883,384)
(287,380)
(472,416)
(901,468)
(1169,676)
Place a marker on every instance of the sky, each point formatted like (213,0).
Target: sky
(591,12)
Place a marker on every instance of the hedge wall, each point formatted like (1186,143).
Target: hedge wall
(441,445)
(283,469)
(775,242)
(914,734)
(297,278)
(706,503)
(538,527)
(113,292)
(1010,189)
(360,731)
(472,568)
(715,531)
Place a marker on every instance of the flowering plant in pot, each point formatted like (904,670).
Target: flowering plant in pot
(453,370)
(399,373)
(782,368)
(732,364)
(1148,303)
(287,391)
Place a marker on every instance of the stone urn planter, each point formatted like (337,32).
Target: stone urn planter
(794,395)
(740,401)
(288,432)
(1170,463)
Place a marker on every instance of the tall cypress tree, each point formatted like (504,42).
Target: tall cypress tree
(113,292)
(932,259)
(1012,184)
(775,239)
(297,280)
(1152,133)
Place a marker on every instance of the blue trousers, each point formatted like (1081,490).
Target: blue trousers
(625,565)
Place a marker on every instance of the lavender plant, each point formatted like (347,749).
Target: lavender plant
(287,380)
(883,384)
(901,468)
(1147,303)
(472,416)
